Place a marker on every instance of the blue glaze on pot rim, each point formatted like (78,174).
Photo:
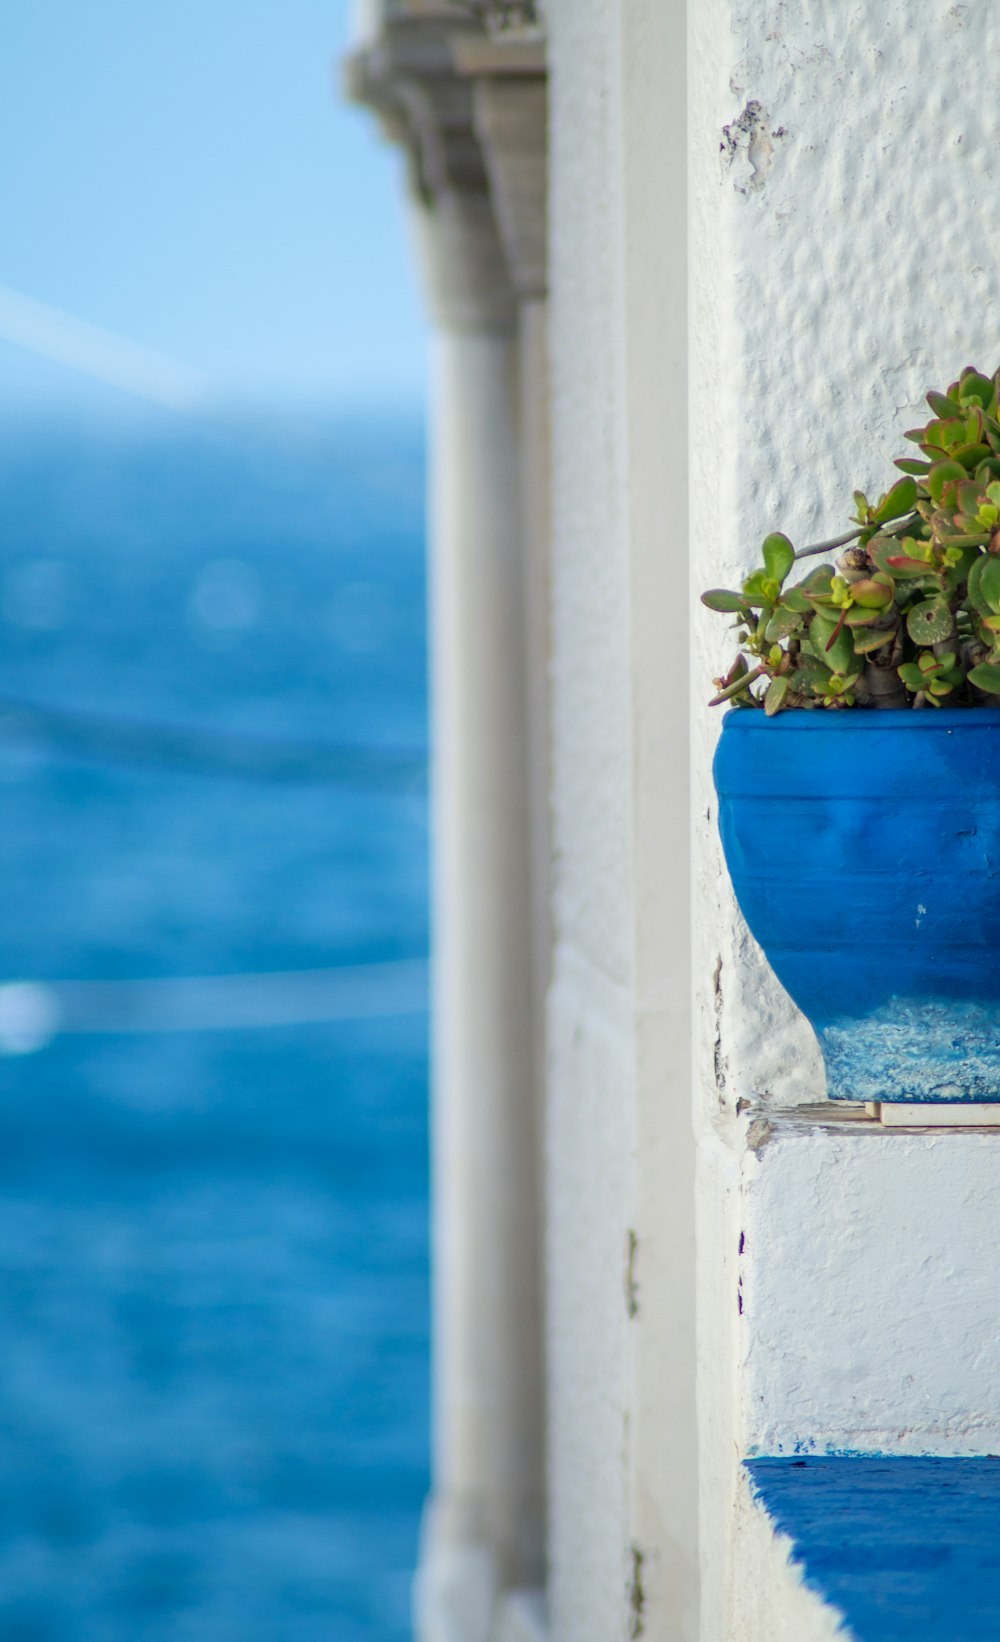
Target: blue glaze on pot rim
(851,719)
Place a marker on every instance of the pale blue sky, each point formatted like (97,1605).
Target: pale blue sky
(184,173)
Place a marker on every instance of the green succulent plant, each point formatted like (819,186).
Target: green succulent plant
(909,614)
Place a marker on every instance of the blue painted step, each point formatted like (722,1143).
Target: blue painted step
(905,1547)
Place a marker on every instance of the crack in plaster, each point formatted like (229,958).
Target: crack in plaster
(631,1281)
(636,1595)
(718,1058)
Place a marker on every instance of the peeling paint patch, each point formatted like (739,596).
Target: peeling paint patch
(759,1134)
(748,147)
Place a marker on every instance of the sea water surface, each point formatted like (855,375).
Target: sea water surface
(213,1241)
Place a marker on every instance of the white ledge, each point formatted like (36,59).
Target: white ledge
(959,1114)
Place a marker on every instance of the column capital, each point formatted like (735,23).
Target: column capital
(461,88)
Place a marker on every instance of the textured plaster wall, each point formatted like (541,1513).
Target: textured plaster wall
(769,1601)
(869,1292)
(844,175)
(843,260)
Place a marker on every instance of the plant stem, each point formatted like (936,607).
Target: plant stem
(742,683)
(828,547)
(896,529)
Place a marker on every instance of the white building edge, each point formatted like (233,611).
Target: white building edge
(690,271)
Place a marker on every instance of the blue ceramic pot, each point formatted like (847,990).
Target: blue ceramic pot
(864,849)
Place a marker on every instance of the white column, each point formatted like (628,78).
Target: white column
(483,1527)
(511,111)
(429,75)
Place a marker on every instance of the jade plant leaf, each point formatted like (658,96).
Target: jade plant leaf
(782,624)
(984,584)
(809,674)
(930,622)
(778,555)
(986,677)
(902,565)
(971,455)
(761,589)
(832,644)
(721,599)
(902,498)
(867,640)
(818,579)
(911,675)
(775,695)
(880,547)
(873,593)
(975,388)
(941,474)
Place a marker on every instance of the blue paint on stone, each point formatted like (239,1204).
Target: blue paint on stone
(904,1547)
(864,849)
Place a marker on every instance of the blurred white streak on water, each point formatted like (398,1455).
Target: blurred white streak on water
(29,1017)
(32,1013)
(101,354)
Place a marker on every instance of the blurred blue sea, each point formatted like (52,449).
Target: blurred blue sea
(213,1239)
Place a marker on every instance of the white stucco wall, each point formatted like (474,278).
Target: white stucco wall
(870,1292)
(768,1600)
(843,179)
